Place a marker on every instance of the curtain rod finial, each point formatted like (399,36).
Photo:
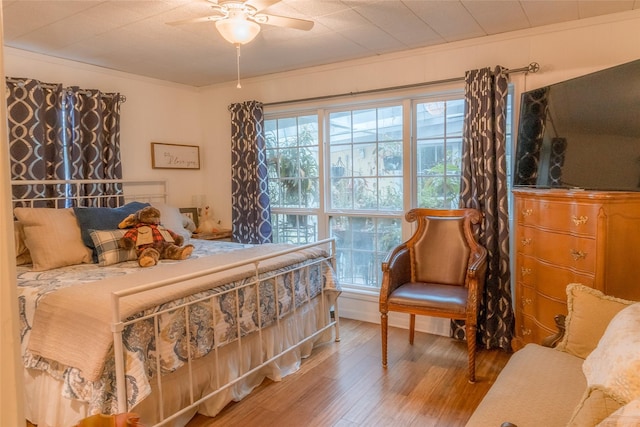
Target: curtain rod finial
(534,67)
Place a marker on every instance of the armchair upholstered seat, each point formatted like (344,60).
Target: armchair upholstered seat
(438,272)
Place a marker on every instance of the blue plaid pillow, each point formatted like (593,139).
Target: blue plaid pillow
(109,252)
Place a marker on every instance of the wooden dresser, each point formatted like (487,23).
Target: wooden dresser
(569,236)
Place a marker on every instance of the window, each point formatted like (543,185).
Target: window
(341,172)
(294,177)
(366,193)
(438,135)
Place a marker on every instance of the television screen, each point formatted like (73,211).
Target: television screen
(582,133)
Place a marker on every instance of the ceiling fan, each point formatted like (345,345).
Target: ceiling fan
(239,21)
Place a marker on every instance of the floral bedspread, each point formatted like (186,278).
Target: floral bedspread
(233,307)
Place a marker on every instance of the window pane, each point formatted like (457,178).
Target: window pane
(375,152)
(430,119)
(342,193)
(390,194)
(362,243)
(292,161)
(364,125)
(455,117)
(340,127)
(296,229)
(438,153)
(365,193)
(390,123)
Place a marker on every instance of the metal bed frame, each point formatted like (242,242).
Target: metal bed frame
(67,190)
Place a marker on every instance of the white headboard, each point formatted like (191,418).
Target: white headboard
(95,193)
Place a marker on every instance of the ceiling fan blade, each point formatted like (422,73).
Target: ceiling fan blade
(261,4)
(210,18)
(284,21)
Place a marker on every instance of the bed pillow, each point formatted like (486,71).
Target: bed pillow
(614,365)
(22,252)
(107,246)
(53,237)
(102,219)
(172,219)
(589,313)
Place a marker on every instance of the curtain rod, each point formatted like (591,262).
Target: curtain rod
(20,82)
(533,67)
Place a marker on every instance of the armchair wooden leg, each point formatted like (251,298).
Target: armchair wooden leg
(471,349)
(383,324)
(412,327)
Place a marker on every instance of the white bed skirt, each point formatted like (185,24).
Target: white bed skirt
(45,410)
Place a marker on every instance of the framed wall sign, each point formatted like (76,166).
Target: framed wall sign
(174,156)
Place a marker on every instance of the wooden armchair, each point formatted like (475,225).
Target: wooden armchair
(438,272)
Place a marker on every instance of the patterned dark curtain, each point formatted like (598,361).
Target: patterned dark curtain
(94,148)
(58,133)
(36,135)
(484,187)
(251,213)
(533,118)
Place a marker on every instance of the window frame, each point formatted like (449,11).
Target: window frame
(408,101)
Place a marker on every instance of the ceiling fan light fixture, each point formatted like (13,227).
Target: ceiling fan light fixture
(238,31)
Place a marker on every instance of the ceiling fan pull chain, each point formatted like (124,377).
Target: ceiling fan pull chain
(239,86)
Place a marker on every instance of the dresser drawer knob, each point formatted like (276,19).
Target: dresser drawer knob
(525,271)
(526,242)
(526,301)
(578,254)
(527,212)
(579,221)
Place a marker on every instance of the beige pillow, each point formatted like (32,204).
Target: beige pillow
(595,406)
(626,416)
(614,365)
(589,314)
(22,252)
(53,237)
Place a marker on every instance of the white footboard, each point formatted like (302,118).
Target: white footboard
(293,280)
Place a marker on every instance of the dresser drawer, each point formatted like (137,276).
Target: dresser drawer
(525,298)
(578,218)
(546,309)
(559,249)
(549,279)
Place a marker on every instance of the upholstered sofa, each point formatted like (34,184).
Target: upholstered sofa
(590,378)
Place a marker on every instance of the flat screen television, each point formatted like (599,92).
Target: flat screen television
(582,133)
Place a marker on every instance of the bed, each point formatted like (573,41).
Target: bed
(99,334)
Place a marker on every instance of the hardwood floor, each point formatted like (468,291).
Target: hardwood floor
(344,385)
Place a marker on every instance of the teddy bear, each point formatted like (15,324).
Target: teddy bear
(152,241)
(206,224)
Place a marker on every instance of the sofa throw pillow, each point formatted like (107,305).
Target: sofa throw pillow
(626,416)
(53,237)
(102,219)
(595,406)
(589,313)
(109,251)
(614,365)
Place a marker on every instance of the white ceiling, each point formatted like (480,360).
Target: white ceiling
(133,35)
